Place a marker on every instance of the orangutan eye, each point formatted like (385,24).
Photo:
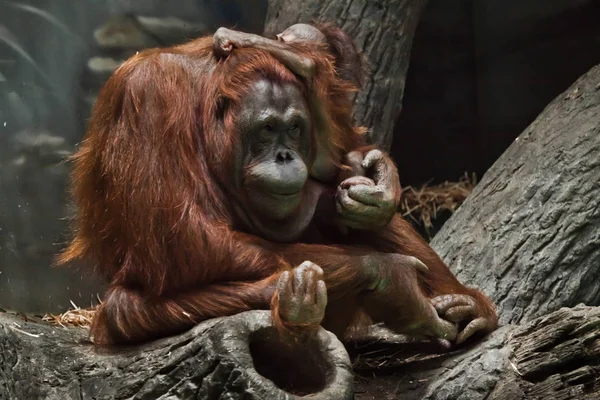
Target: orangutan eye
(265,134)
(294,130)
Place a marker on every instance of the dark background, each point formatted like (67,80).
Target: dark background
(480,72)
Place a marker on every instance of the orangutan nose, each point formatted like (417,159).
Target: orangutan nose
(284,156)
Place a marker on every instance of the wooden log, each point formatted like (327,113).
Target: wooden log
(240,357)
(528,235)
(552,357)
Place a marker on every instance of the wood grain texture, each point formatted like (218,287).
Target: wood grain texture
(529,234)
(213,360)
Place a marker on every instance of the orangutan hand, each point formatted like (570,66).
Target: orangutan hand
(225,40)
(463,309)
(302,295)
(368,197)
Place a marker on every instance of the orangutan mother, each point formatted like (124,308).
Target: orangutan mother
(366,206)
(190,171)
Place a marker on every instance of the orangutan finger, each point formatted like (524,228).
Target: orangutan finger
(371,158)
(445,329)
(479,324)
(444,302)
(371,195)
(383,170)
(415,263)
(284,284)
(404,260)
(355,181)
(321,295)
(350,208)
(301,277)
(310,288)
(460,313)
(312,276)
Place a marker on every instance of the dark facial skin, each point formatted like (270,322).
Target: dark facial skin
(276,150)
(368,198)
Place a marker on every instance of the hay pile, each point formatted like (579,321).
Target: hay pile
(421,205)
(80,317)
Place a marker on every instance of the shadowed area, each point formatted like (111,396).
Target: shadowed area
(300,369)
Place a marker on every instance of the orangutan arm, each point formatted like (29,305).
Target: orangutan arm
(131,313)
(468,307)
(225,40)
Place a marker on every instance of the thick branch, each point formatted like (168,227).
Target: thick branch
(528,235)
(219,357)
(556,356)
(553,357)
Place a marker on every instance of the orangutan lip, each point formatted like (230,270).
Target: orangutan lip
(285,195)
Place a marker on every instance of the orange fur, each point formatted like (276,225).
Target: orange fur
(154,218)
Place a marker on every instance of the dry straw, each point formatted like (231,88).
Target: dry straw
(80,317)
(423,204)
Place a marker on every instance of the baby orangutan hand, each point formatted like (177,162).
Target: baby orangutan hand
(225,40)
(302,297)
(369,197)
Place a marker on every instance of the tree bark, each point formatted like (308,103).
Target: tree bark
(220,358)
(553,357)
(383,30)
(529,233)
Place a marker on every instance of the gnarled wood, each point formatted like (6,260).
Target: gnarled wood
(221,357)
(529,234)
(552,357)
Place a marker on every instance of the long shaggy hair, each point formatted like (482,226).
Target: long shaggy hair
(148,177)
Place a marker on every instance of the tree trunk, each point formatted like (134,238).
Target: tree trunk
(383,30)
(553,357)
(529,234)
(220,358)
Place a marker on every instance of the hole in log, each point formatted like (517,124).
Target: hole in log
(299,369)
